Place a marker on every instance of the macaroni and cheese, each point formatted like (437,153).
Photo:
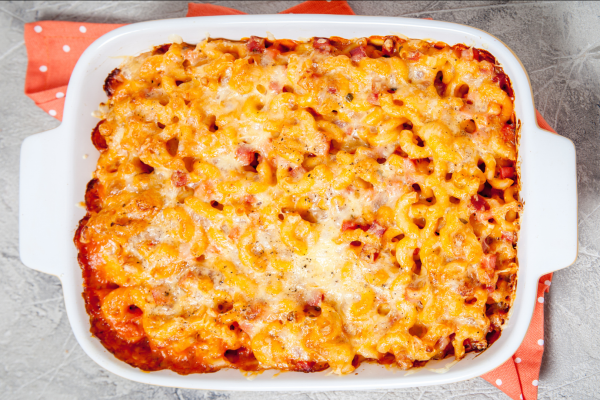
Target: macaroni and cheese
(302,205)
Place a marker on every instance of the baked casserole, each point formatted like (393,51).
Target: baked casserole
(302,205)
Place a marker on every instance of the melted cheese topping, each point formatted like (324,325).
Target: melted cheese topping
(298,205)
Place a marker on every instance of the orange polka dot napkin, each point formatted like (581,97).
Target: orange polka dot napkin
(53,48)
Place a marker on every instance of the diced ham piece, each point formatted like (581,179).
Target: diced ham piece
(191,55)
(255,310)
(489,262)
(234,234)
(443,343)
(332,90)
(373,98)
(179,178)
(314,297)
(467,54)
(508,236)
(185,252)
(414,55)
(376,229)
(323,45)
(340,123)
(479,203)
(246,326)
(485,246)
(484,216)
(507,172)
(357,53)
(276,87)
(349,226)
(508,133)
(298,172)
(305,366)
(245,155)
(486,67)
(409,166)
(205,190)
(249,199)
(162,295)
(373,229)
(271,53)
(255,44)
(465,290)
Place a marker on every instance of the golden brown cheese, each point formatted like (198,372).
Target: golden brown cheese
(275,204)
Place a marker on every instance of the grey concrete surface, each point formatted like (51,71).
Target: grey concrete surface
(559,44)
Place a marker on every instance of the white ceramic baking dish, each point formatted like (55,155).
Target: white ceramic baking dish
(55,170)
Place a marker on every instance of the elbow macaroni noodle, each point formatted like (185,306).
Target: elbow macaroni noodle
(276,204)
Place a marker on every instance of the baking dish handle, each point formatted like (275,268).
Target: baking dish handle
(42,178)
(551,203)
